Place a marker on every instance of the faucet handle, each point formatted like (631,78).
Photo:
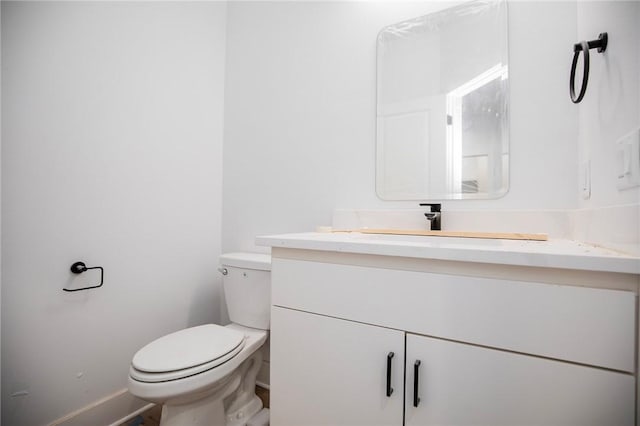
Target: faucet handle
(435,207)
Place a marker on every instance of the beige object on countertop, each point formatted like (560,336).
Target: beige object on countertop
(459,234)
(324,229)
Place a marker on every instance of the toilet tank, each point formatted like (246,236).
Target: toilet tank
(247,288)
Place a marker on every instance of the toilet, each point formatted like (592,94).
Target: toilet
(206,375)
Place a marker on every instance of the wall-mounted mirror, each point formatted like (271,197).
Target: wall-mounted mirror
(442,105)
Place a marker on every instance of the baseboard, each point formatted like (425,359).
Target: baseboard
(133,415)
(263,385)
(112,410)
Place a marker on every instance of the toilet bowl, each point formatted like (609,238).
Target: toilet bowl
(206,375)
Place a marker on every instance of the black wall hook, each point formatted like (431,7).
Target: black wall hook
(584,47)
(80,267)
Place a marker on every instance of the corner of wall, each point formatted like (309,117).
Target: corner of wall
(611,106)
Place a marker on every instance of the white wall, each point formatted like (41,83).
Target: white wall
(112,154)
(300,113)
(611,106)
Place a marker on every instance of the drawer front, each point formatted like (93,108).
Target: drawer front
(584,325)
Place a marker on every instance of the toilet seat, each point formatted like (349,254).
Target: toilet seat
(186,353)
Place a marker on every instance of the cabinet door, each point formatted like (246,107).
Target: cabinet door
(326,371)
(461,384)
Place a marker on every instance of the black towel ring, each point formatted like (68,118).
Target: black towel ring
(584,47)
(80,267)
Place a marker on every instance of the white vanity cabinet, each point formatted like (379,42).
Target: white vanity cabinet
(500,350)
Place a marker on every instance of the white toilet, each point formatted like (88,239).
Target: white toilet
(206,375)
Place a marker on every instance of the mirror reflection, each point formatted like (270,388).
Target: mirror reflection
(442,105)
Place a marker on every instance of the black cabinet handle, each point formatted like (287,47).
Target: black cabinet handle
(416,398)
(389,388)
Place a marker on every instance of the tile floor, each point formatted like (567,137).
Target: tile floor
(152,417)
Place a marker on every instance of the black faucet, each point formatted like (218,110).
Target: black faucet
(434,215)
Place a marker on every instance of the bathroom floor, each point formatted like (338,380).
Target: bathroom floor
(152,417)
(148,418)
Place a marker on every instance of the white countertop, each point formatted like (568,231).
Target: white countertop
(564,254)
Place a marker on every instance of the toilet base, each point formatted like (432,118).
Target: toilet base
(241,416)
(231,404)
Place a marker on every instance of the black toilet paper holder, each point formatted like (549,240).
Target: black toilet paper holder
(80,267)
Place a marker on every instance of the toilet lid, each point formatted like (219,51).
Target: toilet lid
(143,376)
(187,348)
